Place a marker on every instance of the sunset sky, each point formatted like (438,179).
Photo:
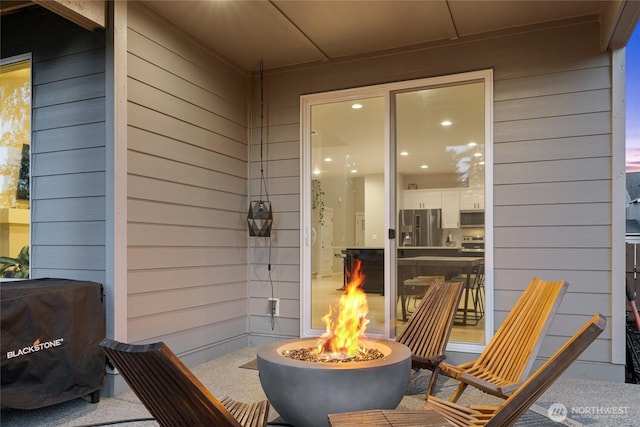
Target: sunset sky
(633,102)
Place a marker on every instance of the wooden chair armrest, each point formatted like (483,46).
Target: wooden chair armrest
(430,362)
(452,371)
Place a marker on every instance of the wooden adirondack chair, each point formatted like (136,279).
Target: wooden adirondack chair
(507,359)
(173,395)
(427,330)
(526,394)
(523,397)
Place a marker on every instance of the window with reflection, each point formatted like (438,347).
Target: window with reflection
(395,184)
(15,142)
(347,199)
(440,160)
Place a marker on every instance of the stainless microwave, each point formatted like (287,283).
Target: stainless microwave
(471,219)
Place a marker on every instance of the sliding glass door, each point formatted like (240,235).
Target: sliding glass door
(393,178)
(347,177)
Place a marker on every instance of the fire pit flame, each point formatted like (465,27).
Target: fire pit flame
(347,321)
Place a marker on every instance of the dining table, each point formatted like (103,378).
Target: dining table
(446,266)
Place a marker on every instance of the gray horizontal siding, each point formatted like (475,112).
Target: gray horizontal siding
(81,65)
(177,151)
(162,278)
(88,233)
(68,185)
(86,135)
(153,189)
(86,160)
(588,281)
(69,90)
(552,214)
(190,216)
(541,193)
(572,236)
(282,171)
(192,317)
(186,188)
(562,82)
(183,297)
(145,164)
(159,45)
(70,257)
(182,87)
(552,194)
(172,106)
(65,115)
(68,166)
(553,149)
(181,342)
(148,257)
(182,236)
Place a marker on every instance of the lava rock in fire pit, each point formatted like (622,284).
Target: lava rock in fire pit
(304,392)
(309,355)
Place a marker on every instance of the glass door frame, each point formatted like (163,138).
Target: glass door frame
(387,91)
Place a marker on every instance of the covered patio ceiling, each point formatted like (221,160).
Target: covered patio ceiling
(293,33)
(285,33)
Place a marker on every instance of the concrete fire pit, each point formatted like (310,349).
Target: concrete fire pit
(305,392)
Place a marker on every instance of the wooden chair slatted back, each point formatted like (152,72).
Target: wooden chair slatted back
(167,388)
(529,391)
(527,394)
(510,354)
(428,329)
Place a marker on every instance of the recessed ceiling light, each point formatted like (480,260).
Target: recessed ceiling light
(446,123)
(328,159)
(481,162)
(423,166)
(472,144)
(316,171)
(354,170)
(404,153)
(477,154)
(356,106)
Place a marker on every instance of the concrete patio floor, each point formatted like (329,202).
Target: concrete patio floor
(588,403)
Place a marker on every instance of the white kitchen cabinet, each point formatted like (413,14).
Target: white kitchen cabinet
(451,209)
(472,199)
(421,199)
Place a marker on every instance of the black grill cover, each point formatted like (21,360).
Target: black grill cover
(51,331)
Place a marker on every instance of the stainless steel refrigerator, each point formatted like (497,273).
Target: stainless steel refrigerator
(420,227)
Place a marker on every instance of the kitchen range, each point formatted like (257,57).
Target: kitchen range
(472,243)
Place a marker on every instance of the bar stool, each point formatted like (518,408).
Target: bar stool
(475,292)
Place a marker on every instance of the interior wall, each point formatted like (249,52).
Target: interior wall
(374,234)
(552,169)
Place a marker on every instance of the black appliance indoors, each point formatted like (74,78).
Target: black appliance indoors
(372,267)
